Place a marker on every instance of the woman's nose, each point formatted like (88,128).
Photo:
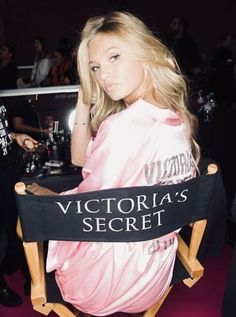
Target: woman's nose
(105,72)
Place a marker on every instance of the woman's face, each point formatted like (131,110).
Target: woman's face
(38,46)
(57,58)
(4,53)
(114,68)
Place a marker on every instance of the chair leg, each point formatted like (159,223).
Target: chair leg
(62,311)
(79,313)
(191,281)
(151,312)
(44,309)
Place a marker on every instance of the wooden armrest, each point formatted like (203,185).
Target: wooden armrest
(33,189)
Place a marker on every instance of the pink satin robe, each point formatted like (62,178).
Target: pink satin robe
(141,145)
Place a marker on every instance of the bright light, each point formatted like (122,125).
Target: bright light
(71,120)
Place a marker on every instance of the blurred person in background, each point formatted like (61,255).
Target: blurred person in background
(183,46)
(60,73)
(41,67)
(223,64)
(11,251)
(8,68)
(26,118)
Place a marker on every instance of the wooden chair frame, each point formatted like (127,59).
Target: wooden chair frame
(35,259)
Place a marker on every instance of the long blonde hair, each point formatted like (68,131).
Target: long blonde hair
(159,65)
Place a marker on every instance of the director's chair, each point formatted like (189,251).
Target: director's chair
(40,220)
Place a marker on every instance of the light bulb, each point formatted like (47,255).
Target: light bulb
(71,119)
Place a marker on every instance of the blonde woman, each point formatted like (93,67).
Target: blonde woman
(137,132)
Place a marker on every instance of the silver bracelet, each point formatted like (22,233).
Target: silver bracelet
(82,123)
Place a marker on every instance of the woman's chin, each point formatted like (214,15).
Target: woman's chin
(115,97)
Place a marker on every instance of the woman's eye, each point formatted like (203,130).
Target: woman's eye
(114,57)
(94,68)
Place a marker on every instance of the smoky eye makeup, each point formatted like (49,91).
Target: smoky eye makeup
(94,68)
(114,57)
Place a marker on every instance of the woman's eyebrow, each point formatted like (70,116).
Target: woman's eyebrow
(105,52)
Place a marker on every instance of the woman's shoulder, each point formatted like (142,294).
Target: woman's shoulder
(48,56)
(127,121)
(46,59)
(141,115)
(122,118)
(143,111)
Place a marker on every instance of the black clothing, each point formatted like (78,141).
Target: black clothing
(8,76)
(9,175)
(8,210)
(27,111)
(6,143)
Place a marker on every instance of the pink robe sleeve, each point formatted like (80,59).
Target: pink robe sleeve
(111,150)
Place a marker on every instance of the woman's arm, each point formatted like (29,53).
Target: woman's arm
(44,68)
(81,132)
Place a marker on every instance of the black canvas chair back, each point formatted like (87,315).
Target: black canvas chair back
(115,215)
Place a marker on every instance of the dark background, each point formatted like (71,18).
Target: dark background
(21,20)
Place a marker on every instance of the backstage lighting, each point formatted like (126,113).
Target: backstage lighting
(71,119)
